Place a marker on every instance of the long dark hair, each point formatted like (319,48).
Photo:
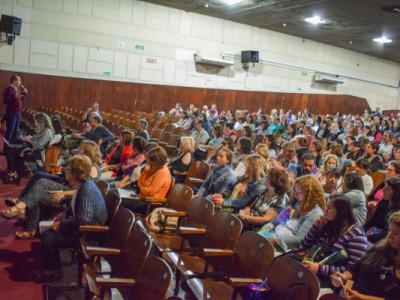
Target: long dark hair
(344,216)
(378,256)
(394,183)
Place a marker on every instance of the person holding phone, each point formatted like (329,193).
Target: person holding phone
(377,275)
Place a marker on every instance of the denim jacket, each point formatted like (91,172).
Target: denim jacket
(253,190)
(220,181)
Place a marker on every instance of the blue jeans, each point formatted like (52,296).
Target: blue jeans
(12,124)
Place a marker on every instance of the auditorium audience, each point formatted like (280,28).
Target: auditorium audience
(261,198)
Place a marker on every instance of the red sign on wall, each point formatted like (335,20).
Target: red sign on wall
(151,61)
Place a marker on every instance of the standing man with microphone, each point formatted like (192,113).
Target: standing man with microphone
(12,97)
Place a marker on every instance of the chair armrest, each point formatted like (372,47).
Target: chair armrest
(93,228)
(115,282)
(243,282)
(181,173)
(155,200)
(191,230)
(196,180)
(210,252)
(102,251)
(173,213)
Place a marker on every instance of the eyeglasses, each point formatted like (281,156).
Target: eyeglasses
(224,143)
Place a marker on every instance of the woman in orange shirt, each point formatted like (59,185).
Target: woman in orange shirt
(154,182)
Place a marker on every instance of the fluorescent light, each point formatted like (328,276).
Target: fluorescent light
(382,40)
(315,20)
(232,2)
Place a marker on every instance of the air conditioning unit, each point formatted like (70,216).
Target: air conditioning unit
(212,61)
(333,79)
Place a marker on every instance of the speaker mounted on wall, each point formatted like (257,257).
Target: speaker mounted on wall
(10,25)
(250,56)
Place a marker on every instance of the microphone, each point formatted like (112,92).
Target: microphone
(24,91)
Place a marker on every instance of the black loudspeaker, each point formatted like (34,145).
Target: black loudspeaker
(250,56)
(9,24)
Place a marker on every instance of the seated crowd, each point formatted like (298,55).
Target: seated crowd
(307,183)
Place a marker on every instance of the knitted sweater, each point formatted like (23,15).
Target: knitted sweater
(354,242)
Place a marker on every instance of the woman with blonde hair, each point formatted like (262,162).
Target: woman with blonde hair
(291,227)
(287,156)
(182,162)
(248,187)
(92,150)
(34,148)
(263,151)
(331,161)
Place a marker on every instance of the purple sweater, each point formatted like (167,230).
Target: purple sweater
(353,241)
(14,105)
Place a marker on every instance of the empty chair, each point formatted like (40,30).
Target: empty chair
(131,259)
(289,279)
(196,174)
(119,230)
(251,262)
(222,232)
(198,214)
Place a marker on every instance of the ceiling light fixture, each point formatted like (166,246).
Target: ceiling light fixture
(315,20)
(382,40)
(232,2)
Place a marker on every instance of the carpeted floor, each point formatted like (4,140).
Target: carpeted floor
(18,259)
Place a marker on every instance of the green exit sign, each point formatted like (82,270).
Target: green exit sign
(105,73)
(304,73)
(139,47)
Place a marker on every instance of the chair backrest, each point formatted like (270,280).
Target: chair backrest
(199,212)
(51,158)
(154,281)
(378,178)
(133,256)
(198,170)
(179,197)
(103,186)
(112,201)
(223,232)
(253,256)
(120,228)
(289,279)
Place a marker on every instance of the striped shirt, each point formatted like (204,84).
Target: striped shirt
(354,242)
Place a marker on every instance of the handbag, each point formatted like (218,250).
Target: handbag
(155,220)
(257,291)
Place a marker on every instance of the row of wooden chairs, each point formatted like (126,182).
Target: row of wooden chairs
(126,250)
(217,252)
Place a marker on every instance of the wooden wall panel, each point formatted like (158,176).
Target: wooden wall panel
(55,91)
